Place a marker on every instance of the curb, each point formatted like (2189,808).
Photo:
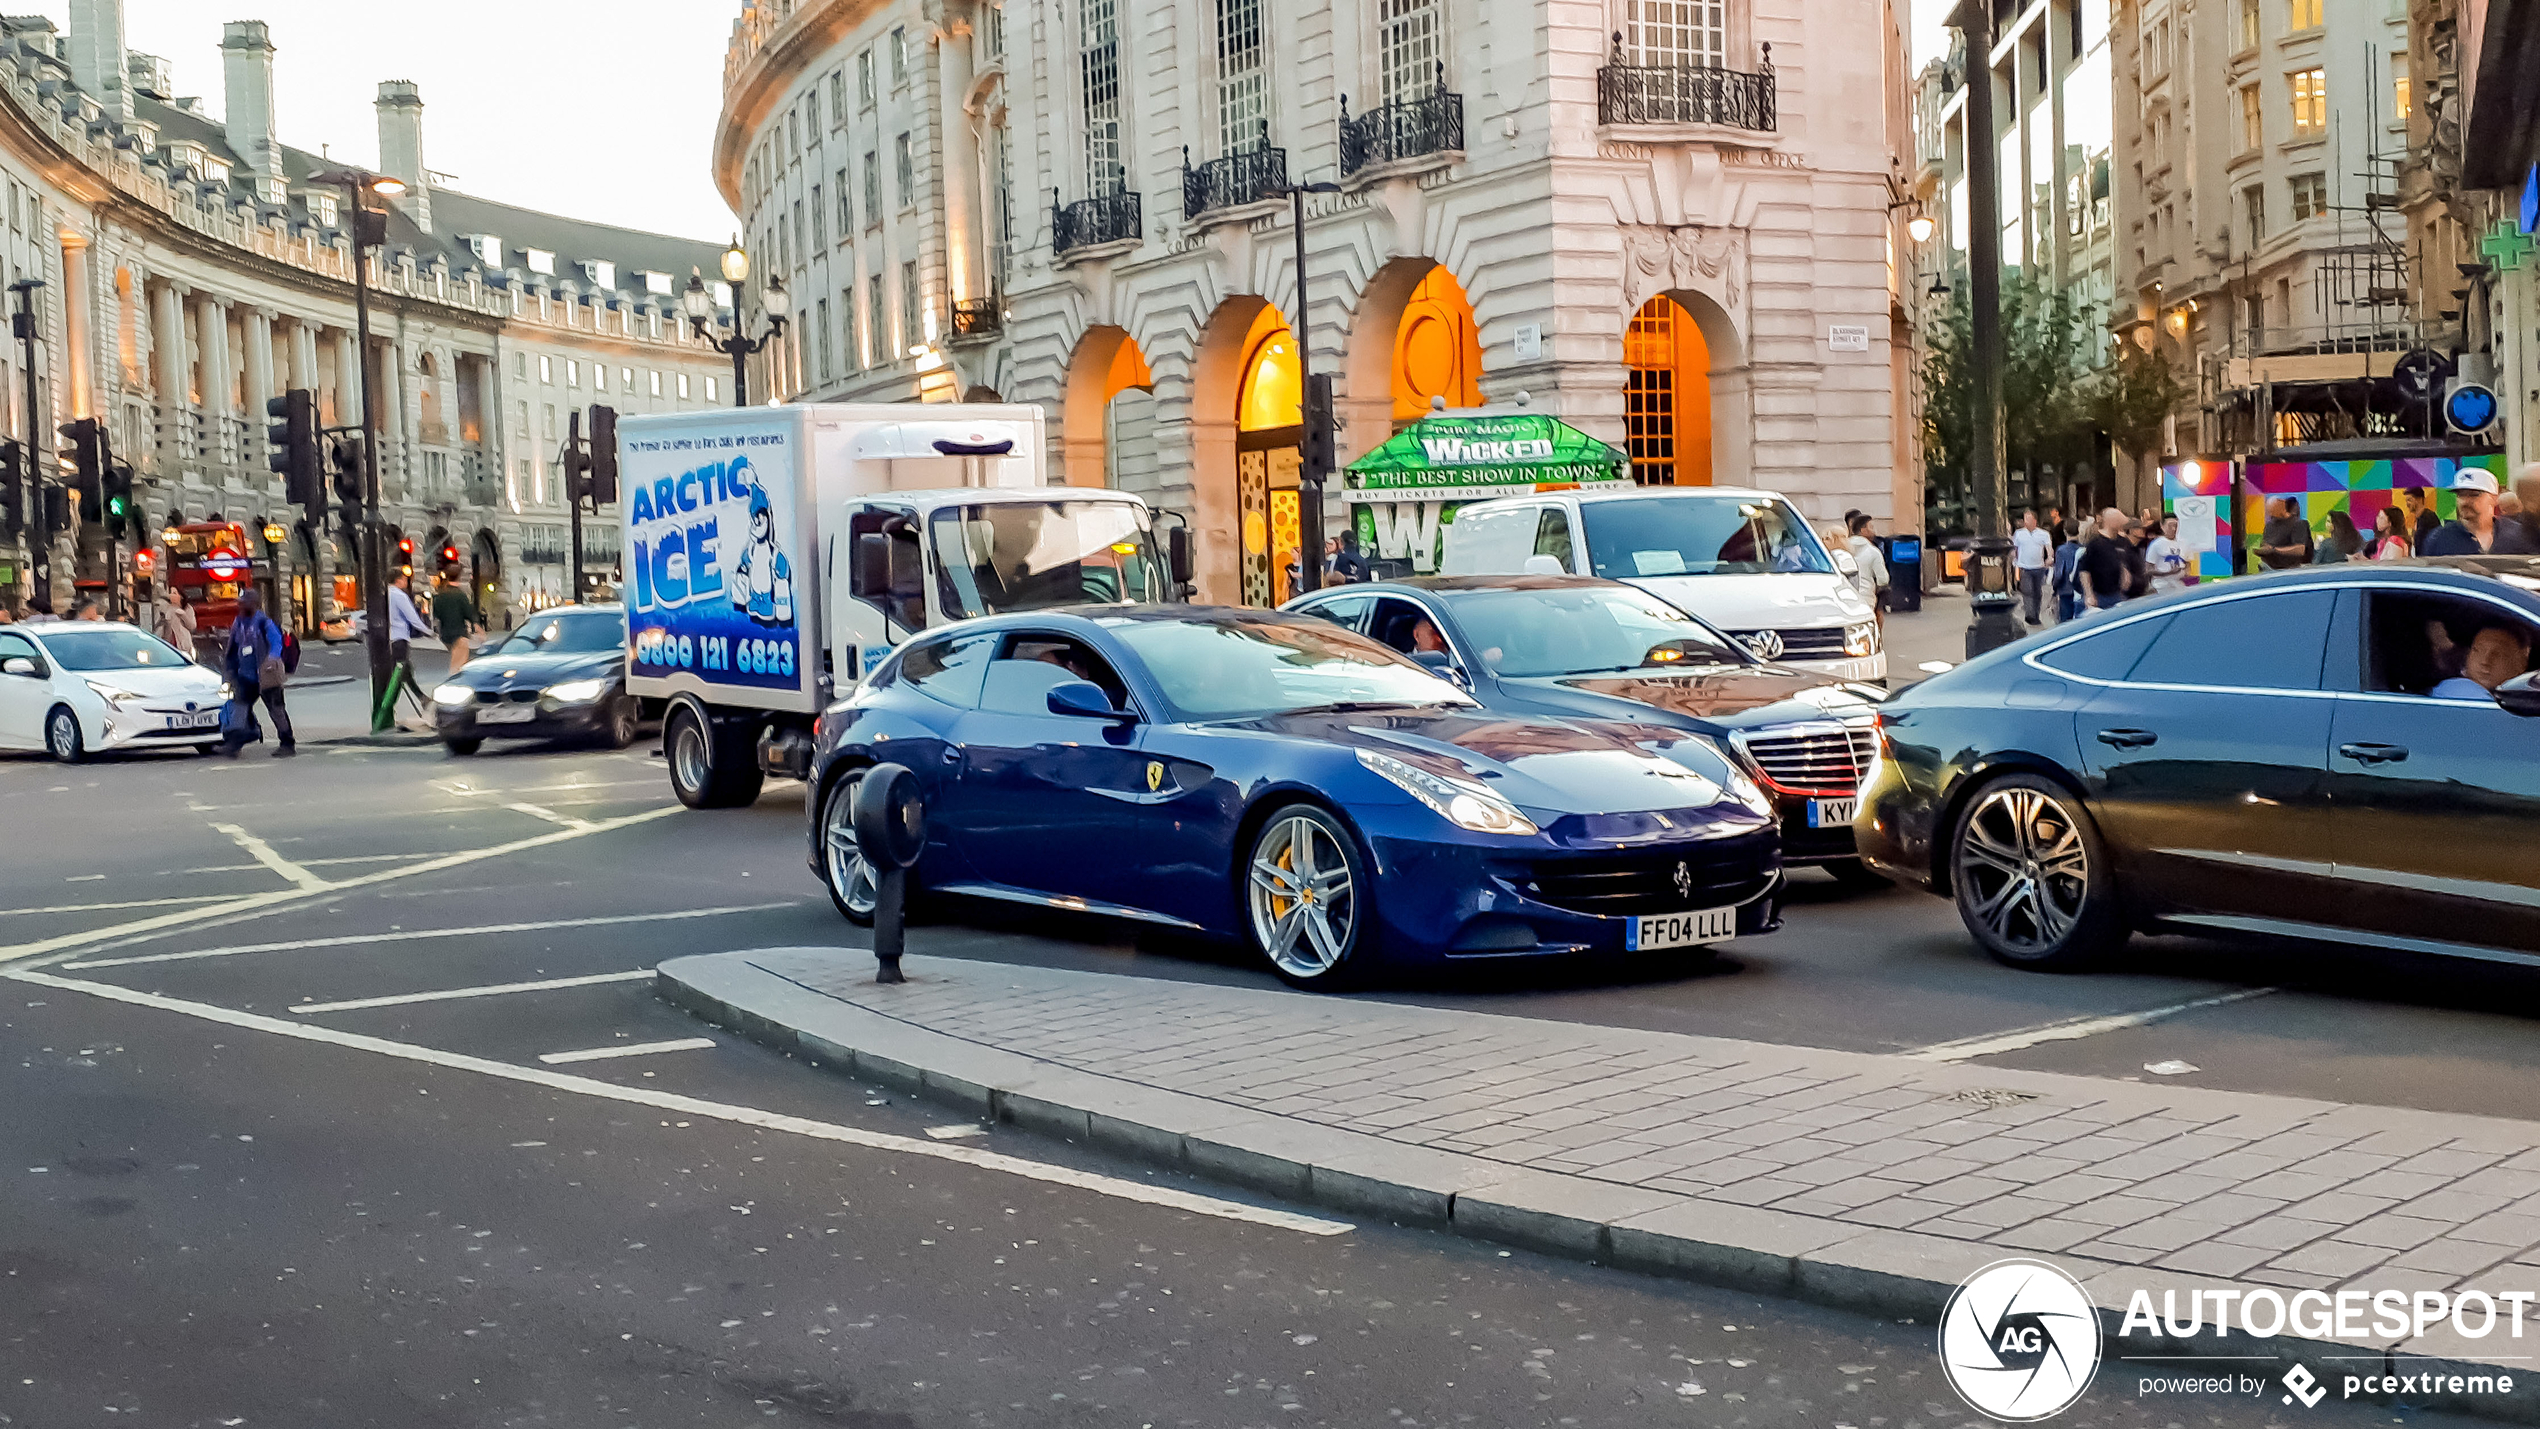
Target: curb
(1898,1274)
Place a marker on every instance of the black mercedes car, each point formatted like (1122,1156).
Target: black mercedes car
(2349,753)
(1578,647)
(561,675)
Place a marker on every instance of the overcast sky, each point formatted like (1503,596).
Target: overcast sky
(601,112)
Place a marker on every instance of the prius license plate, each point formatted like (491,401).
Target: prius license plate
(507,714)
(1680,930)
(195,719)
(1831,813)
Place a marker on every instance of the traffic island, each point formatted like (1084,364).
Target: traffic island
(1865,1182)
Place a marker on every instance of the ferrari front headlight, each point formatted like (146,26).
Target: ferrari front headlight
(1467,806)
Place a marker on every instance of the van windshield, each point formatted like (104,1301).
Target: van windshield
(1031,555)
(1685,535)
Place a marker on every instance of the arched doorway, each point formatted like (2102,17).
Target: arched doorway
(1437,350)
(1107,364)
(1269,429)
(485,580)
(1667,395)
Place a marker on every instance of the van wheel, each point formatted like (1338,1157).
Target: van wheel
(709,768)
(2031,877)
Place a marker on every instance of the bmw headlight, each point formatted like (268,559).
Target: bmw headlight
(453,695)
(113,694)
(1467,806)
(575,692)
(1861,639)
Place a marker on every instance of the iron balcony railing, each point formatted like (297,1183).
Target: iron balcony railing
(1104,218)
(1404,129)
(978,317)
(1236,179)
(1686,94)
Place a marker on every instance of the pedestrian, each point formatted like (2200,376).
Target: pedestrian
(87,610)
(2056,526)
(456,615)
(405,623)
(39,611)
(2067,580)
(2393,535)
(2105,564)
(2138,553)
(2168,563)
(2527,487)
(2422,522)
(2286,541)
(1868,561)
(176,623)
(253,665)
(2343,543)
(2474,529)
(2033,555)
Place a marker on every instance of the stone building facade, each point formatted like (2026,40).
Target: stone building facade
(1671,222)
(194,266)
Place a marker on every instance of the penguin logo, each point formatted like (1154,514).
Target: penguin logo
(1155,776)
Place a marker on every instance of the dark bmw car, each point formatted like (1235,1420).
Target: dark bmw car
(1574,647)
(561,675)
(1246,774)
(2348,753)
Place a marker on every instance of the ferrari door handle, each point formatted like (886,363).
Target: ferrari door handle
(2374,753)
(2129,738)
(952,755)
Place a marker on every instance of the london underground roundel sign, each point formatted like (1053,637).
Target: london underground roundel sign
(225,565)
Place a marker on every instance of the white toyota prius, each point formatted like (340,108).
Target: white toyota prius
(77,688)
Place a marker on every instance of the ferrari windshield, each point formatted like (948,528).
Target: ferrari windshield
(1031,555)
(1705,535)
(1524,634)
(1243,669)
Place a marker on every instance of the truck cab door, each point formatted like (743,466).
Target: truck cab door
(874,605)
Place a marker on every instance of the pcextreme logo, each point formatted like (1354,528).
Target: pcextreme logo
(2019,1341)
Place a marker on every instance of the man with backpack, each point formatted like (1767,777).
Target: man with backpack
(256,663)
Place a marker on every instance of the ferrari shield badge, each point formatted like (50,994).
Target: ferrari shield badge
(1155,776)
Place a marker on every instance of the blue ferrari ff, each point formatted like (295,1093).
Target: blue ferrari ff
(1269,777)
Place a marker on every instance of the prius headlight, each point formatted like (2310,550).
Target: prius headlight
(575,692)
(113,694)
(1467,806)
(453,695)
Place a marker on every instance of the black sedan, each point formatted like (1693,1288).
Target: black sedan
(2348,753)
(1577,647)
(561,675)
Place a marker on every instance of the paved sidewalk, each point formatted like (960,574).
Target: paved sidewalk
(1865,1180)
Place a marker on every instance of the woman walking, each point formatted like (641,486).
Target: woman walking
(455,614)
(2391,538)
(2344,543)
(253,665)
(176,624)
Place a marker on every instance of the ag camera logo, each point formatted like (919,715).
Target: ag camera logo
(2019,1341)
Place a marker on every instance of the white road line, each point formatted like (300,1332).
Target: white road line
(1112,1186)
(2070,1030)
(447,994)
(631,1049)
(145,929)
(551,816)
(130,903)
(409,935)
(263,853)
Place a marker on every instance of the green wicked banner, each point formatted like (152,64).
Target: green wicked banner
(1471,458)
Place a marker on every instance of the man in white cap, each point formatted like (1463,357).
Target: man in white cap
(2474,529)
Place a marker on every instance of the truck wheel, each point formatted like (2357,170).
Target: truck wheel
(709,768)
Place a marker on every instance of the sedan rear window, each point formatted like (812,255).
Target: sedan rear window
(2265,642)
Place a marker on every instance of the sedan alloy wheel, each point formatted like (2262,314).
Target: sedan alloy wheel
(1301,887)
(62,736)
(2030,877)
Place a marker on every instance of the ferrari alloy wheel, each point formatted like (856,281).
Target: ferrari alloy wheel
(2031,879)
(842,864)
(1302,888)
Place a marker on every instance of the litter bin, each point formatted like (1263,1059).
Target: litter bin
(1904,573)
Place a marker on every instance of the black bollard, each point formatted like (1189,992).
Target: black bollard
(890,832)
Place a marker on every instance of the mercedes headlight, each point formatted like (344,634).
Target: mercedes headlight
(575,692)
(453,695)
(1467,806)
(1861,639)
(113,694)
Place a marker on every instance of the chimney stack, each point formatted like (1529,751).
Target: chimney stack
(246,55)
(400,107)
(97,55)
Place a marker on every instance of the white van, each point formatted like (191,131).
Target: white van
(1743,560)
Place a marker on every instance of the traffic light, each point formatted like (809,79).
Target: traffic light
(406,553)
(57,510)
(117,481)
(295,446)
(348,477)
(449,553)
(1319,458)
(603,455)
(83,461)
(577,474)
(12,490)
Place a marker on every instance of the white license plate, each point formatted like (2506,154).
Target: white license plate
(195,719)
(1831,813)
(506,714)
(1679,930)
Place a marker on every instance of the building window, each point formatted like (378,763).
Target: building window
(2401,101)
(520,366)
(2310,196)
(822,343)
(912,307)
(1674,33)
(2254,199)
(572,373)
(873,334)
(1407,35)
(2248,24)
(599,377)
(2253,119)
(1243,85)
(655,383)
(819,221)
(2310,103)
(872,189)
(846,209)
(899,56)
(811,113)
(2301,15)
(864,79)
(683,386)
(1098,64)
(802,249)
(793,133)
(710,390)
(548,425)
(837,98)
(904,161)
(546,370)
(626,380)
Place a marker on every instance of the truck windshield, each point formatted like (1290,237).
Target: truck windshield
(1699,536)
(1031,555)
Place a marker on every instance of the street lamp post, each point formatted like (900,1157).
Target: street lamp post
(39,542)
(370,229)
(1993,623)
(698,304)
(1314,447)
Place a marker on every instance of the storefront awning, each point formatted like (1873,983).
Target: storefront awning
(1475,456)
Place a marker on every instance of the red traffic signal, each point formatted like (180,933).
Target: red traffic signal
(449,554)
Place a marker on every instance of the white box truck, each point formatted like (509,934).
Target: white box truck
(774,555)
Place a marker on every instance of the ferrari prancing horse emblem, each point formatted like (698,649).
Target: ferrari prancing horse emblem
(1155,776)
